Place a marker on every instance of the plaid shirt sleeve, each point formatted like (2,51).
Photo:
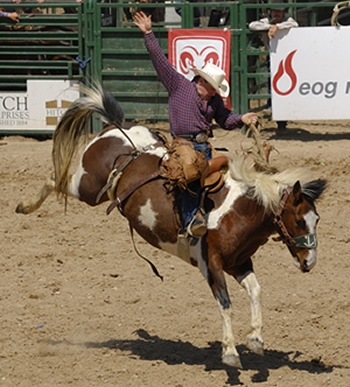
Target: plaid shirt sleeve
(168,75)
(224,117)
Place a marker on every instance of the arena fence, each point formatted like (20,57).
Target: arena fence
(46,44)
(97,41)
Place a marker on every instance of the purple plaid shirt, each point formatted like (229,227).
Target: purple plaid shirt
(188,113)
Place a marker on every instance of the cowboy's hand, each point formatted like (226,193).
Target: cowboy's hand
(143,22)
(250,119)
(13,16)
(272,31)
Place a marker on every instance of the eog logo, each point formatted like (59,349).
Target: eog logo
(285,69)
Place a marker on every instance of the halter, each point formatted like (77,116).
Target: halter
(307,241)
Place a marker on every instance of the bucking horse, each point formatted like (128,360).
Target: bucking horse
(123,166)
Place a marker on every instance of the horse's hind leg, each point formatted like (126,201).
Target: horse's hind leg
(29,205)
(254,338)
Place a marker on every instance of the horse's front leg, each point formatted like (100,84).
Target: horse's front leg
(230,355)
(29,205)
(216,279)
(255,341)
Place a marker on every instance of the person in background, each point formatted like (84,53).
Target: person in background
(30,10)
(10,15)
(193,105)
(72,9)
(157,13)
(277,19)
(24,2)
(196,12)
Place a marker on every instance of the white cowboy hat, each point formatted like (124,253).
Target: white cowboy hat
(215,77)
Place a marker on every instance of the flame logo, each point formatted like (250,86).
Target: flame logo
(285,66)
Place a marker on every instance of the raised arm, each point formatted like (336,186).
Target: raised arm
(168,75)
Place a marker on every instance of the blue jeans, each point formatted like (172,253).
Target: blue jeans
(191,197)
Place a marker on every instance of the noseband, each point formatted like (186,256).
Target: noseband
(307,241)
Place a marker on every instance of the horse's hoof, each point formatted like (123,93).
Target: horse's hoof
(20,209)
(256,345)
(232,361)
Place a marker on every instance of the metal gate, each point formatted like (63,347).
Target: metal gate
(97,41)
(121,62)
(45,45)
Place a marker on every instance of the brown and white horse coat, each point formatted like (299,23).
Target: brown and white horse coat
(241,216)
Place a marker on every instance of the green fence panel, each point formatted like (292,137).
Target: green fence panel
(99,43)
(44,44)
(120,61)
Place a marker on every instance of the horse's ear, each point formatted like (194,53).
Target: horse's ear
(297,192)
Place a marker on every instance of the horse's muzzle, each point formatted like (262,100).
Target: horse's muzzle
(305,265)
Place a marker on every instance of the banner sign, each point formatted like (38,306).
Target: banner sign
(310,73)
(40,108)
(188,48)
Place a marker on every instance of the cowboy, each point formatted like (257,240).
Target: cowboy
(192,107)
(277,19)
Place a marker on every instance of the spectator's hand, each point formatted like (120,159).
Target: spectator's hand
(272,31)
(250,119)
(143,22)
(13,16)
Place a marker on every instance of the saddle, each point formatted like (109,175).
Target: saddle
(214,180)
(184,165)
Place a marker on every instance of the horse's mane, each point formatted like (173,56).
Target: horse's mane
(265,187)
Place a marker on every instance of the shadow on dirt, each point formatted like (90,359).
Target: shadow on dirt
(299,134)
(154,348)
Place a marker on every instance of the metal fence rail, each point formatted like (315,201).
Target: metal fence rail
(45,44)
(97,41)
(121,62)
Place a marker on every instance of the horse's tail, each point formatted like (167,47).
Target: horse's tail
(74,126)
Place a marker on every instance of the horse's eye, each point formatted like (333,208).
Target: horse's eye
(300,223)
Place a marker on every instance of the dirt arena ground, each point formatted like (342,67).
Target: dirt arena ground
(79,308)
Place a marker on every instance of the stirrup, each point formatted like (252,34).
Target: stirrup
(197,227)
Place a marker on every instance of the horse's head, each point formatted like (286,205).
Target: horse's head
(297,219)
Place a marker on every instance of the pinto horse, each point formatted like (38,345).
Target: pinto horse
(241,216)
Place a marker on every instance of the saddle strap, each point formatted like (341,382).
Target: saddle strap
(119,199)
(115,172)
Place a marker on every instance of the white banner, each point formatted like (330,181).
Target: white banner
(40,108)
(310,73)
